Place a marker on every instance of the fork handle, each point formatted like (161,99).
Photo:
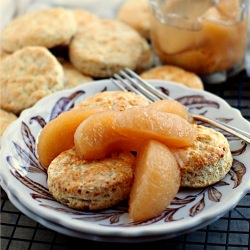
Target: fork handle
(218,125)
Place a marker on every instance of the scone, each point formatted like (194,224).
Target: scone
(72,76)
(175,74)
(207,161)
(3,54)
(5,119)
(47,28)
(105,47)
(136,14)
(28,75)
(113,100)
(83,17)
(90,185)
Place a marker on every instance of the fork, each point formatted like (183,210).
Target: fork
(128,80)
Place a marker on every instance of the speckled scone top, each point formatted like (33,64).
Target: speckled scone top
(207,161)
(28,75)
(105,47)
(90,184)
(47,28)
(113,100)
(175,74)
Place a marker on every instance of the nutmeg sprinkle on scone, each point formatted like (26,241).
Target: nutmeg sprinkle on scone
(113,100)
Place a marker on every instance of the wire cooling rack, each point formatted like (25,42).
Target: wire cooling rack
(231,232)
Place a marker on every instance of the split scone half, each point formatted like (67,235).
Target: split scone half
(207,161)
(90,185)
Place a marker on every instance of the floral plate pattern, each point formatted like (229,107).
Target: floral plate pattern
(24,179)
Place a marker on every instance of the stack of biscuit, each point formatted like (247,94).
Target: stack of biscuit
(56,48)
(80,184)
(94,48)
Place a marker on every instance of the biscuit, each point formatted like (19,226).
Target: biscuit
(136,14)
(73,77)
(113,100)
(175,74)
(5,119)
(90,185)
(3,54)
(207,161)
(28,75)
(47,28)
(83,18)
(105,47)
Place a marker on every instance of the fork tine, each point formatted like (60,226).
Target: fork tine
(234,128)
(148,86)
(129,86)
(119,85)
(149,95)
(222,126)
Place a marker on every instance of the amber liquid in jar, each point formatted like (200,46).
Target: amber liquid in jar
(206,39)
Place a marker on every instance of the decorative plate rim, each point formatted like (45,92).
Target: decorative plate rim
(141,230)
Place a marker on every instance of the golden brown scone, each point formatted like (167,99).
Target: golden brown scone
(72,76)
(175,74)
(83,18)
(47,28)
(136,14)
(3,54)
(107,46)
(113,100)
(207,161)
(5,119)
(90,185)
(28,75)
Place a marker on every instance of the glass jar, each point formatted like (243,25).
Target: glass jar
(208,37)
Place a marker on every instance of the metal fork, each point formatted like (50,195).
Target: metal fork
(128,80)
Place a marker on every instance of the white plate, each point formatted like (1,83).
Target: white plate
(25,181)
